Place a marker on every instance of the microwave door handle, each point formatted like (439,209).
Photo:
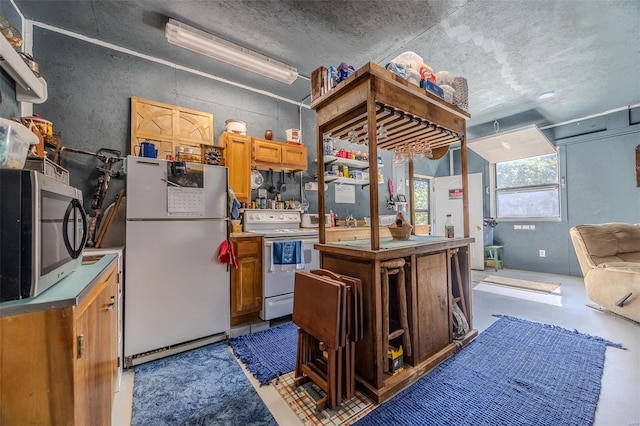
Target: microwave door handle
(74,252)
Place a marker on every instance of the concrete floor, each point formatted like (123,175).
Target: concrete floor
(618,404)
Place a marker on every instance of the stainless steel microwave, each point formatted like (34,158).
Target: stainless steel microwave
(43,229)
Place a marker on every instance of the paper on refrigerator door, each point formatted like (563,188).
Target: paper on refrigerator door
(185,201)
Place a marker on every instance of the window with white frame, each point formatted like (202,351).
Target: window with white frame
(528,188)
(421,199)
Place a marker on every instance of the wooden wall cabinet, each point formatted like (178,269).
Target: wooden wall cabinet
(60,365)
(242,153)
(237,157)
(246,281)
(294,156)
(279,156)
(266,153)
(168,126)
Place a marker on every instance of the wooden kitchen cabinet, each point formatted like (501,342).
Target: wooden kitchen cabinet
(246,281)
(237,157)
(168,126)
(266,153)
(279,156)
(294,156)
(58,363)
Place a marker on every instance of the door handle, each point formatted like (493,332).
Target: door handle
(111,304)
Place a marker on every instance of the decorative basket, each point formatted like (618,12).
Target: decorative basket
(401,233)
(461,94)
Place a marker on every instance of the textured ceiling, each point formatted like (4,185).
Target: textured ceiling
(510,51)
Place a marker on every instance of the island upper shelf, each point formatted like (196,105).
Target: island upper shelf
(377,108)
(407,119)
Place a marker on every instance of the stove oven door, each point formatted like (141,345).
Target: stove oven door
(278,285)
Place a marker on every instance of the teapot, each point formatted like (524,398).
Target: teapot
(147,149)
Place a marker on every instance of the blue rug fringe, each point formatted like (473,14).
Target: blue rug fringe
(562,329)
(268,354)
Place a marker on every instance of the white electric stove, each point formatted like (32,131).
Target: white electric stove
(278,226)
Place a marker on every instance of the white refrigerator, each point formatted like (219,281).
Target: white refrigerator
(177,294)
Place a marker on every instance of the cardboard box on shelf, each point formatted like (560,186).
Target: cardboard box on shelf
(395,359)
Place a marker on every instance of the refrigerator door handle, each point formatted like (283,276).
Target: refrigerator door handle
(148,163)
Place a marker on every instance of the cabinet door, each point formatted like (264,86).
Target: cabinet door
(434,327)
(246,281)
(194,126)
(237,155)
(96,353)
(294,157)
(151,120)
(266,153)
(36,368)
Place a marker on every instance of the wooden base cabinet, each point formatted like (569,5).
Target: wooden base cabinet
(433,327)
(58,366)
(246,281)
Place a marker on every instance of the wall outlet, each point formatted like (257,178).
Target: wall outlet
(311,186)
(542,253)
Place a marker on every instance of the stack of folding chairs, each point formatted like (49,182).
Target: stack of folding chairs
(327,308)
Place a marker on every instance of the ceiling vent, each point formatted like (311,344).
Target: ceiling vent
(512,145)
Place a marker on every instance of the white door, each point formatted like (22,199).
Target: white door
(447,199)
(175,288)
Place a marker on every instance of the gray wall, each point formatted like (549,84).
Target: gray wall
(89,101)
(597,162)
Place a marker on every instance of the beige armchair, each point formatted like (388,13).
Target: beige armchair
(609,257)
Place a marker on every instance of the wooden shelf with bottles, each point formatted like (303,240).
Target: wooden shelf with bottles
(351,164)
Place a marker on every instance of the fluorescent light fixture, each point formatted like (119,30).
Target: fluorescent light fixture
(209,45)
(512,145)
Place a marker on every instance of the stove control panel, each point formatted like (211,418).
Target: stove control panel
(271,216)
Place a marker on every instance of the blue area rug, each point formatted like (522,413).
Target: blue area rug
(269,353)
(204,386)
(516,372)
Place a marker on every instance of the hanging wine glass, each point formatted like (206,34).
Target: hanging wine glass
(352,136)
(382,133)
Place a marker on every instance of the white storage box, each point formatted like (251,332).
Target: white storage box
(15,140)
(48,168)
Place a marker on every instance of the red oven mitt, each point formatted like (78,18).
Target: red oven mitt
(226,254)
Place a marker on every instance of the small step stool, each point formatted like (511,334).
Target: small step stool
(493,256)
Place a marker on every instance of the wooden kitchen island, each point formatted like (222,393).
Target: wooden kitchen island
(433,284)
(436,269)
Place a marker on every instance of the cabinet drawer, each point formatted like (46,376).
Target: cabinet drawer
(247,246)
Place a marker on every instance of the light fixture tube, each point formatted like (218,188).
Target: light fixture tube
(209,45)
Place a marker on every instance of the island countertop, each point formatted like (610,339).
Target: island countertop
(390,248)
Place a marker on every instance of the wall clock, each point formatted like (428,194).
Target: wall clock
(212,155)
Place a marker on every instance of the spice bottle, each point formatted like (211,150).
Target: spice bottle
(448,228)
